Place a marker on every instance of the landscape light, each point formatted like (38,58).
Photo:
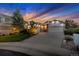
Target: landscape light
(45,26)
(29,26)
(38,25)
(41,26)
(14,29)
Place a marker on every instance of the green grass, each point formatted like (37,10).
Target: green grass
(71,31)
(14,37)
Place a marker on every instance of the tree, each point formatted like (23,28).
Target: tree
(70,24)
(18,19)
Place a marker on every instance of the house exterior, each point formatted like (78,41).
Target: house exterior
(6,24)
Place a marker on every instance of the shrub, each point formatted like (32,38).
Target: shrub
(14,37)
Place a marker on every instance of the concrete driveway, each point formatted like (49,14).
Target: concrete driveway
(41,44)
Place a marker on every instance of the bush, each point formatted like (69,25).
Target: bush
(68,32)
(68,38)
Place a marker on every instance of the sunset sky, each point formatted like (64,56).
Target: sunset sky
(42,12)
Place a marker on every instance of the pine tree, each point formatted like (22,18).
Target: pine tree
(18,19)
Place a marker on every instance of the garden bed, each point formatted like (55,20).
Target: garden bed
(14,37)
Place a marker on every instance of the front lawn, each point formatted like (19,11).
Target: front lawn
(14,37)
(71,31)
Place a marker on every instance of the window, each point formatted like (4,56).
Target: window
(7,20)
(0,19)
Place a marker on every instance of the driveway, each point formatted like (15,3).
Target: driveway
(44,43)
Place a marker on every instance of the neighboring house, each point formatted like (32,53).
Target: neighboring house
(6,24)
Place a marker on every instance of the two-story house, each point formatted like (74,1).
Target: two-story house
(6,24)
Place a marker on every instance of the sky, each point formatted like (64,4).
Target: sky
(42,12)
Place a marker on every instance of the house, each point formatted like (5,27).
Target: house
(6,24)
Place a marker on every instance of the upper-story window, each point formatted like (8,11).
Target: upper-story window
(4,19)
(7,20)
